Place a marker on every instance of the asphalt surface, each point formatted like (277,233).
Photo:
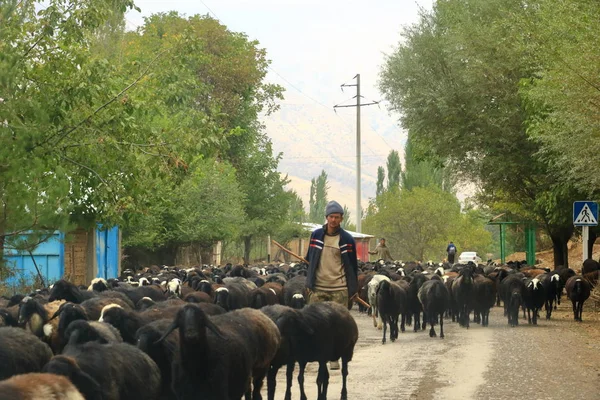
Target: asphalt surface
(557,359)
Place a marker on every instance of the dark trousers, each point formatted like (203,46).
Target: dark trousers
(451,258)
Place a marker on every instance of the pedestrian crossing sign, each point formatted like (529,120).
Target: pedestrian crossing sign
(585,213)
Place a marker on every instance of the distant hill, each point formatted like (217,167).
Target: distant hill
(312,137)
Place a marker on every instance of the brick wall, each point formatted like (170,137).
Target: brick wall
(76,256)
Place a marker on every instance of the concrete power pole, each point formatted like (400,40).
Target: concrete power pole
(358,152)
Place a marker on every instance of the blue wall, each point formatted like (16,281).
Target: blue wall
(49,257)
(107,252)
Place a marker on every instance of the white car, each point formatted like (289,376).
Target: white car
(467,256)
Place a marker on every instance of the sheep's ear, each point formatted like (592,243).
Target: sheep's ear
(170,329)
(214,328)
(87,385)
(59,311)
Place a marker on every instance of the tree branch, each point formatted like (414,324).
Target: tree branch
(86,168)
(109,102)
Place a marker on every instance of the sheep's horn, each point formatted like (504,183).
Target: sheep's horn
(170,329)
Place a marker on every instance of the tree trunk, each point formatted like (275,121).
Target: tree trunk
(590,244)
(247,248)
(560,238)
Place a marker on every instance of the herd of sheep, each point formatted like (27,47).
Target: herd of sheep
(218,332)
(399,292)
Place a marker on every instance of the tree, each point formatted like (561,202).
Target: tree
(318,198)
(457,79)
(418,224)
(394,169)
(422,172)
(380,181)
(346,224)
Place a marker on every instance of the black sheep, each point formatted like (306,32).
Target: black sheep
(462,291)
(128,322)
(163,352)
(294,292)
(551,282)
(262,297)
(512,290)
(334,334)
(21,352)
(415,308)
(116,371)
(79,332)
(578,291)
(535,298)
(233,348)
(484,297)
(232,296)
(435,299)
(391,303)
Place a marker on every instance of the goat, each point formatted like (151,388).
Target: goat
(578,291)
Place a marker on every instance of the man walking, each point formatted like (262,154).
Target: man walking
(382,251)
(451,250)
(332,264)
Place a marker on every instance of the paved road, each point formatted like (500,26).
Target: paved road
(556,359)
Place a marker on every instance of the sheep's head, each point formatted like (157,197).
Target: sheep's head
(68,312)
(65,290)
(298,301)
(98,285)
(67,366)
(113,314)
(192,323)
(79,332)
(222,298)
(32,315)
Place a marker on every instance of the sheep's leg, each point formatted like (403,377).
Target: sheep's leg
(441,328)
(301,381)
(574,309)
(417,322)
(344,378)
(374,316)
(580,311)
(424,325)
(432,330)
(384,330)
(528,315)
(289,374)
(402,324)
(322,381)
(271,382)
(258,376)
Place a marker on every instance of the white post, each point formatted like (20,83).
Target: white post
(585,234)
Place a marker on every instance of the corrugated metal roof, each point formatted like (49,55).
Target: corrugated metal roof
(311,226)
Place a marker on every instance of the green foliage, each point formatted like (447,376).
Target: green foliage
(422,172)
(394,168)
(461,79)
(380,181)
(418,224)
(318,198)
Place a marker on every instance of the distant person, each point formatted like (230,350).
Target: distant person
(332,265)
(451,250)
(382,251)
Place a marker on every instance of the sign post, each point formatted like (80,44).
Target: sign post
(585,214)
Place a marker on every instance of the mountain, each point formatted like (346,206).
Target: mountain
(313,137)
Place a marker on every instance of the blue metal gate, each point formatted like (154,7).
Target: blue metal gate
(107,252)
(49,257)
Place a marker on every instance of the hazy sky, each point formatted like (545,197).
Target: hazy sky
(315,45)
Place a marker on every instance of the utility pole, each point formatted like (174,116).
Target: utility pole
(358,174)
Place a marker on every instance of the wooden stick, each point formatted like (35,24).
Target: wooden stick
(359,300)
(289,251)
(353,298)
